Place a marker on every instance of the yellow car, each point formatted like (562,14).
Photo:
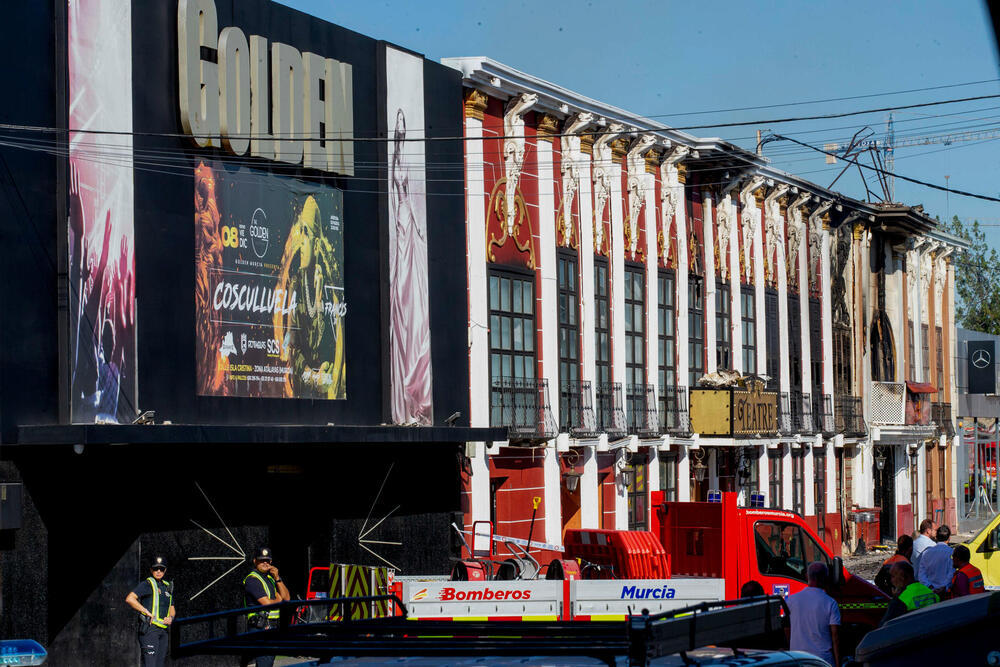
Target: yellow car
(985,551)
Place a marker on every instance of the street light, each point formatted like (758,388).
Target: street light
(699,467)
(571,478)
(880,461)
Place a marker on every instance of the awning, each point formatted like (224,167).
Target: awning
(921,387)
(214,434)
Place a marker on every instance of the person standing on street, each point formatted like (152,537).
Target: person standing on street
(263,586)
(935,569)
(815,617)
(909,594)
(924,541)
(904,549)
(967,580)
(153,598)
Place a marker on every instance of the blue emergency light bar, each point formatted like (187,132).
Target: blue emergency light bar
(21,652)
(715,496)
(756,500)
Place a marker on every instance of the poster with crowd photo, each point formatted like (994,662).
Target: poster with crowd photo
(409,302)
(269,285)
(102,359)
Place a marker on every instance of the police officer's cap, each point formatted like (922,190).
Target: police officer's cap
(158,561)
(264,553)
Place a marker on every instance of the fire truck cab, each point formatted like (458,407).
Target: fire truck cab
(773,547)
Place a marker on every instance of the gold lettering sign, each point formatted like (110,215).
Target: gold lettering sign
(755,413)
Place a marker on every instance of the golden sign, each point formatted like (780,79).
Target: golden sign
(738,413)
(755,412)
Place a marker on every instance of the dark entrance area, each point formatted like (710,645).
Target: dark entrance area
(93,519)
(884,472)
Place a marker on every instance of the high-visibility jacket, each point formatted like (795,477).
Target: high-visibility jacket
(975,578)
(916,596)
(895,558)
(270,587)
(156,618)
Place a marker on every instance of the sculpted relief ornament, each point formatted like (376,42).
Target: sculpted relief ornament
(912,271)
(940,274)
(724,223)
(513,149)
(636,190)
(747,226)
(506,202)
(815,248)
(670,194)
(796,228)
(602,181)
(571,174)
(772,226)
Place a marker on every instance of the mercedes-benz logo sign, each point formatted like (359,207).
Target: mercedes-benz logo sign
(980,358)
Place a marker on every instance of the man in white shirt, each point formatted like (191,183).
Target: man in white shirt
(815,617)
(935,568)
(924,541)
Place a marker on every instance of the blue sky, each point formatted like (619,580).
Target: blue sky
(658,58)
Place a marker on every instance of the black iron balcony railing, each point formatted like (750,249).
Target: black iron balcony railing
(674,415)
(801,405)
(610,415)
(576,410)
(640,403)
(941,415)
(785,422)
(848,418)
(522,405)
(823,413)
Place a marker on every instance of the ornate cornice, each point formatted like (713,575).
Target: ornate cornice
(475,104)
(587,144)
(682,171)
(825,220)
(548,125)
(652,162)
(858,231)
(618,148)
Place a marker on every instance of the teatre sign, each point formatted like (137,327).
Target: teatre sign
(226,103)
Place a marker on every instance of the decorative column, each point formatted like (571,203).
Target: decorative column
(826,305)
(581,148)
(775,259)
(800,276)
(547,316)
(708,236)
(729,269)
(479,368)
(613,153)
(680,217)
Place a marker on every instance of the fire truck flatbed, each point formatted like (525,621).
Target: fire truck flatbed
(633,641)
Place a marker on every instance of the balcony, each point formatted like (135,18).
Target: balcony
(888,403)
(576,410)
(674,415)
(941,415)
(522,406)
(610,415)
(784,414)
(823,413)
(640,403)
(849,419)
(801,412)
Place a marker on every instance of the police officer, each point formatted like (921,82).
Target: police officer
(153,598)
(263,586)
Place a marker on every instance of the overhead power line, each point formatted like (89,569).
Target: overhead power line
(822,101)
(887,173)
(664,128)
